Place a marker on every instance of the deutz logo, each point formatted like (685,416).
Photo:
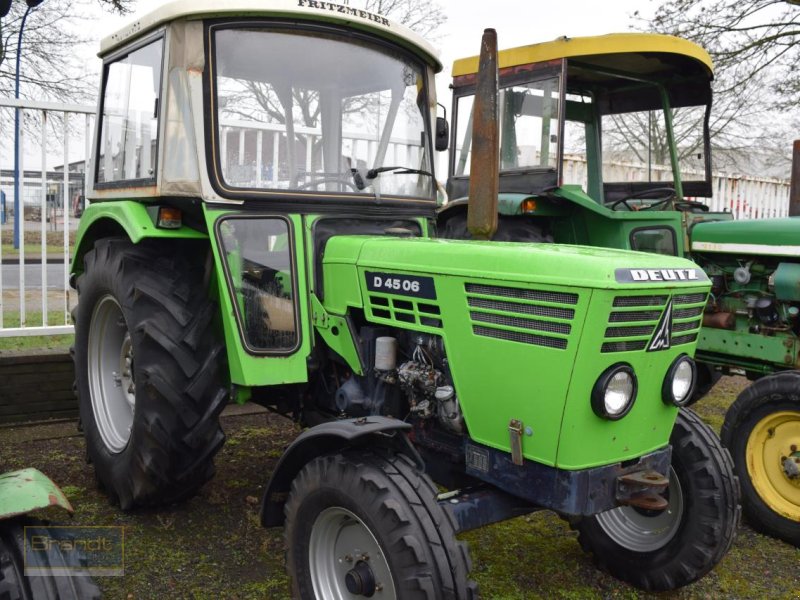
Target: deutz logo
(663,335)
(645,275)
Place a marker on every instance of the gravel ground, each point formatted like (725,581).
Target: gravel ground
(213,547)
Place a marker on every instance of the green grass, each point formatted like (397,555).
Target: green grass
(34,342)
(32,251)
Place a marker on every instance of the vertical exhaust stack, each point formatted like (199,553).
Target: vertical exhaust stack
(794,188)
(484,173)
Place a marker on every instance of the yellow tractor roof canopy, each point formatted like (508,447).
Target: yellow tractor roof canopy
(646,54)
(608,65)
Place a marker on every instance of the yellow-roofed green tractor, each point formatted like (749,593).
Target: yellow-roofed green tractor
(261,228)
(604,141)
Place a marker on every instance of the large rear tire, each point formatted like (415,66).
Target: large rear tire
(360,524)
(762,432)
(664,550)
(14,585)
(147,369)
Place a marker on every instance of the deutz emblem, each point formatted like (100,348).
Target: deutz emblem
(663,335)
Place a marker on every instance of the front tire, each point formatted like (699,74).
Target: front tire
(362,524)
(664,550)
(762,432)
(147,369)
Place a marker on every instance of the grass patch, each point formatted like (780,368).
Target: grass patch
(32,251)
(35,342)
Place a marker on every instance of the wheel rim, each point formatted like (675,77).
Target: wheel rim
(645,531)
(343,551)
(110,368)
(773,462)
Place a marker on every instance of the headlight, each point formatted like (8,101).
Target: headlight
(614,393)
(679,382)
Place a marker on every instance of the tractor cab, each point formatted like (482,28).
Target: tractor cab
(594,131)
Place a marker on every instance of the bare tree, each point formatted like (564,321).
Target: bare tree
(752,42)
(425,18)
(755,46)
(51,67)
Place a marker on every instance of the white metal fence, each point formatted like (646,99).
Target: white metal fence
(744,196)
(35,297)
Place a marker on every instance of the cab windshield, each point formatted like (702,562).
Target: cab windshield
(303,112)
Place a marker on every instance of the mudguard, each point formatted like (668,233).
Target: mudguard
(27,490)
(324,439)
(115,218)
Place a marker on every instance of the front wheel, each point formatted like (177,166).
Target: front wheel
(367,525)
(762,431)
(664,550)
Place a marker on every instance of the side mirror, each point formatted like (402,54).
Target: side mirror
(442,134)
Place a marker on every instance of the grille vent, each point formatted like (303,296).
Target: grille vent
(536,317)
(686,320)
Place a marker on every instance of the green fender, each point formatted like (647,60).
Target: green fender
(102,219)
(27,490)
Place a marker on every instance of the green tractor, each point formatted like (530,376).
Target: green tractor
(573,112)
(31,572)
(261,229)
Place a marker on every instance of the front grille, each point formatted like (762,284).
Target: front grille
(623,346)
(677,340)
(522,294)
(506,313)
(686,321)
(616,332)
(534,324)
(687,313)
(516,336)
(634,315)
(689,298)
(528,309)
(402,310)
(631,301)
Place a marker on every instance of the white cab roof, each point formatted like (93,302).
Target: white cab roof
(311,9)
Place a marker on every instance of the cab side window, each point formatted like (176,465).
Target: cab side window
(128,144)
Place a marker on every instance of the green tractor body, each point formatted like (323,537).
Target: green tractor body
(579,115)
(265,234)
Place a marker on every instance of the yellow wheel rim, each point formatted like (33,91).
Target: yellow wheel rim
(774,440)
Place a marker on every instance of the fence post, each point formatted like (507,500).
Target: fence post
(794,187)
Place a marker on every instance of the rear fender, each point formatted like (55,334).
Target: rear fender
(121,218)
(27,490)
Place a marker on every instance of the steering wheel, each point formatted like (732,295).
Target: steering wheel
(332,179)
(690,206)
(662,195)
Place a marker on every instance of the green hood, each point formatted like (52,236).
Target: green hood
(552,264)
(773,237)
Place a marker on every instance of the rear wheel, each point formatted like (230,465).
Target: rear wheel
(762,431)
(362,524)
(15,585)
(147,369)
(664,550)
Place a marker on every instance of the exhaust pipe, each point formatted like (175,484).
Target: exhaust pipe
(484,173)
